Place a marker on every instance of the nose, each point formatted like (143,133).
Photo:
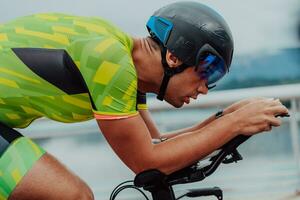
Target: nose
(202,88)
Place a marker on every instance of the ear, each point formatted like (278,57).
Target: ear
(172,60)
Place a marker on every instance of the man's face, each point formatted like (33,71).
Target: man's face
(184,86)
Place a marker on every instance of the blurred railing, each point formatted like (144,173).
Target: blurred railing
(290,94)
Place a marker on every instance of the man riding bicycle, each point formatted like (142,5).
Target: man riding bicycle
(70,69)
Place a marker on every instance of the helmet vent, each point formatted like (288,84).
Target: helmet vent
(160,28)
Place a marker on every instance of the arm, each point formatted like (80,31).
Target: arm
(130,139)
(190,129)
(146,116)
(154,132)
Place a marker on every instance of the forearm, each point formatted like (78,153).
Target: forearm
(145,114)
(189,129)
(130,139)
(185,149)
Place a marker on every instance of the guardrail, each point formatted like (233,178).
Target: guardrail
(284,92)
(287,93)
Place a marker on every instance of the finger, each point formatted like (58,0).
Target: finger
(267,127)
(277,110)
(265,102)
(276,105)
(278,101)
(275,121)
(273,102)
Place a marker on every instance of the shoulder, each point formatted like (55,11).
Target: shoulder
(107,67)
(101,53)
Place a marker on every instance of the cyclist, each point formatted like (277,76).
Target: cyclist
(70,69)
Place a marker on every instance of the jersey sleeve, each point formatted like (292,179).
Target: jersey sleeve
(141,101)
(108,70)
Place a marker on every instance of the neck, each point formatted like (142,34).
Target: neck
(147,61)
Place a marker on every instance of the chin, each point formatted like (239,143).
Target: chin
(176,104)
(179,105)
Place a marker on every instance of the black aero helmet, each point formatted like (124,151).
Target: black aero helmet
(195,34)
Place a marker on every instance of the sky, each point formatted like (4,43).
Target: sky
(257,25)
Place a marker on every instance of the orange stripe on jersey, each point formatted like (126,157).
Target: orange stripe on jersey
(113,117)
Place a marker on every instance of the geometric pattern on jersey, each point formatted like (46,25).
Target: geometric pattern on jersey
(101,52)
(55,66)
(16,161)
(112,81)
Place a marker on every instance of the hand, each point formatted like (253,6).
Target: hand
(258,116)
(235,106)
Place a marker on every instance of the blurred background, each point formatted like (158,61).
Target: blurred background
(266,63)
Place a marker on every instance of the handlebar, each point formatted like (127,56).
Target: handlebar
(160,184)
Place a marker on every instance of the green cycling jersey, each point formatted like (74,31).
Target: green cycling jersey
(100,51)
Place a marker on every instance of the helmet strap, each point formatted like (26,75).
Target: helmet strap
(168,73)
